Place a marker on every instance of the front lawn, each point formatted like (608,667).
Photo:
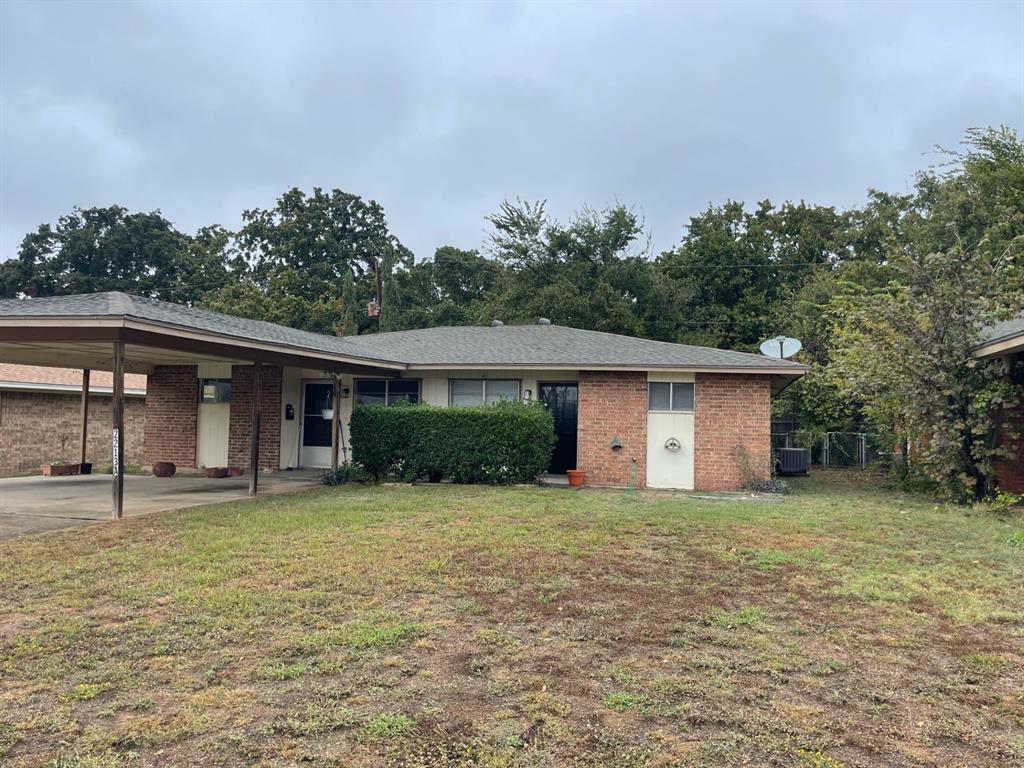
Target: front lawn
(451,626)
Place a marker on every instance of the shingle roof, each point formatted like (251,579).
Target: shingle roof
(66,377)
(550,345)
(1004,330)
(115,304)
(509,345)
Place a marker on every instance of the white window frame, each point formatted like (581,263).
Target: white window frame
(483,389)
(671,397)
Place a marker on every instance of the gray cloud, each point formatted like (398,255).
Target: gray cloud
(441,111)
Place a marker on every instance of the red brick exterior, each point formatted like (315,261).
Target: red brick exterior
(730,410)
(171,395)
(240,433)
(42,427)
(612,404)
(1010,472)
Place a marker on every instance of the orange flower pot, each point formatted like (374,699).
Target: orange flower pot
(575,477)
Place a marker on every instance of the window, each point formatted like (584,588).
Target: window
(480,391)
(670,396)
(387,391)
(214,390)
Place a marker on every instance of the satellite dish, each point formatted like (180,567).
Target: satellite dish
(780,346)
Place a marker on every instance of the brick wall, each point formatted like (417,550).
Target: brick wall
(39,427)
(1010,472)
(612,404)
(240,433)
(730,410)
(171,415)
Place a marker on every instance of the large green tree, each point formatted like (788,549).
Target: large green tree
(904,349)
(297,255)
(112,249)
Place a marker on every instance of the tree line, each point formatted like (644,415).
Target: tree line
(887,297)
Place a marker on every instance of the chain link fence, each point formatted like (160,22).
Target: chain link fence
(837,450)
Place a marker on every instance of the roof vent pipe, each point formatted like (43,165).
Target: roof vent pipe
(496,323)
(543,321)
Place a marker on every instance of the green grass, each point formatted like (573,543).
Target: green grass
(365,626)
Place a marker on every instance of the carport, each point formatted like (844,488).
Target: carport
(117,332)
(37,504)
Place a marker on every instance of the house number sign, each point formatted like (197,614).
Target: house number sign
(116,451)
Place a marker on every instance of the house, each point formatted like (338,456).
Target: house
(627,410)
(40,417)
(1006,341)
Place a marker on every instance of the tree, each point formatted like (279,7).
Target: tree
(585,274)
(99,249)
(319,236)
(904,349)
(349,309)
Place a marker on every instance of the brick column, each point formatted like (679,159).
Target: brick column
(171,395)
(612,404)
(730,410)
(240,429)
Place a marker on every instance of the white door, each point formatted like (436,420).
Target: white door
(670,450)
(316,430)
(212,434)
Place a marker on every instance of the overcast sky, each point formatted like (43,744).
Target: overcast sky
(439,112)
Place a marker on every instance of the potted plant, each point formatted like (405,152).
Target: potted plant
(575,477)
(164,468)
(60,466)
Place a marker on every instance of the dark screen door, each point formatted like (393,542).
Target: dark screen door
(316,430)
(561,400)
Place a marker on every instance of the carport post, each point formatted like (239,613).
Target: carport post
(335,418)
(254,445)
(117,432)
(85,413)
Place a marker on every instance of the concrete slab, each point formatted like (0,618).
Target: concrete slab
(37,504)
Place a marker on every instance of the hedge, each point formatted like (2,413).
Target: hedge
(500,444)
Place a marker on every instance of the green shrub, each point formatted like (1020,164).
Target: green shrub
(502,443)
(345,473)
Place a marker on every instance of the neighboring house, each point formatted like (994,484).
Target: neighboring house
(627,410)
(40,417)
(1006,340)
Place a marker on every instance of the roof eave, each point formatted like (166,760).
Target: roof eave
(1005,345)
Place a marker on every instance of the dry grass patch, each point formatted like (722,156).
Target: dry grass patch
(847,626)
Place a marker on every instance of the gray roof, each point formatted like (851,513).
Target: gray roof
(551,345)
(1007,329)
(116,304)
(509,345)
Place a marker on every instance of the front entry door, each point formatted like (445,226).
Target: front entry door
(316,430)
(561,400)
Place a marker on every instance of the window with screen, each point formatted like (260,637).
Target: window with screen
(670,396)
(482,391)
(214,390)
(387,391)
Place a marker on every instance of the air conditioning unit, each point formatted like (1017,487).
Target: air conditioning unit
(792,461)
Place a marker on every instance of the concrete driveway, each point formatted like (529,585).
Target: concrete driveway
(37,504)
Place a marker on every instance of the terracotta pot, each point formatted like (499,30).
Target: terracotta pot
(164,468)
(575,477)
(236,471)
(216,471)
(54,470)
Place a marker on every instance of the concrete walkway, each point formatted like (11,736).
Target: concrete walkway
(37,504)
